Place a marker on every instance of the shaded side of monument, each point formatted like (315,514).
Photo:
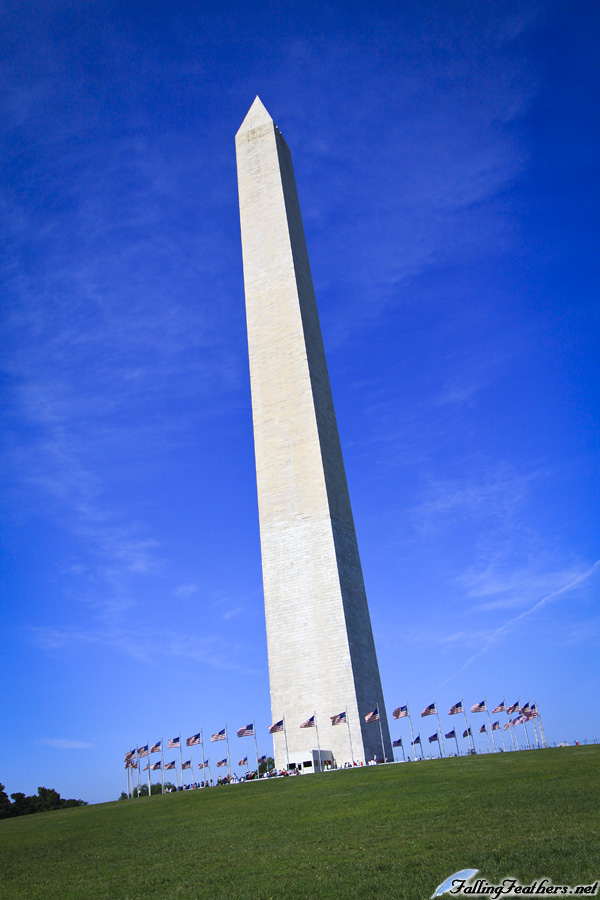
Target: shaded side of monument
(322,658)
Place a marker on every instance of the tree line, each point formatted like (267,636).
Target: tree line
(45,800)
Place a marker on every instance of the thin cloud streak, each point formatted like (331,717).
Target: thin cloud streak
(528,612)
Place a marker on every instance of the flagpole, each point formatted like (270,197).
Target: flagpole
(490,721)
(488,737)
(203,760)
(349,735)
(440,728)
(535,731)
(287,755)
(228,763)
(456,739)
(526,733)
(149,783)
(127,773)
(469,735)
(139,768)
(512,737)
(412,737)
(381,733)
(162,763)
(541,726)
(318,742)
(255,745)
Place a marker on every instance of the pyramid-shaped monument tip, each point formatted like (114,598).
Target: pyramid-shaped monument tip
(257,115)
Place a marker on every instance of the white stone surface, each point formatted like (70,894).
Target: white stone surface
(320,644)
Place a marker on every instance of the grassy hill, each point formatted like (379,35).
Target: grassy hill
(378,832)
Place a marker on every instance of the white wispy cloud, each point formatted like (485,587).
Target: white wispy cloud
(64,744)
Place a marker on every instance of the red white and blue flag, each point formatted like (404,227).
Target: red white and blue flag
(373,716)
(429,710)
(203,765)
(467,732)
(496,726)
(194,739)
(310,723)
(479,707)
(170,765)
(142,751)
(483,729)
(187,764)
(397,743)
(451,734)
(417,740)
(155,748)
(246,730)
(500,708)
(276,726)
(129,755)
(222,762)
(512,709)
(243,762)
(457,708)
(155,766)
(173,744)
(337,720)
(400,712)
(262,759)
(434,737)
(219,735)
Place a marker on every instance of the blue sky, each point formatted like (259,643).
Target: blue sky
(447,165)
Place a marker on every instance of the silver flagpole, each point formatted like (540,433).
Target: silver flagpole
(149,782)
(490,721)
(488,737)
(180,760)
(512,737)
(255,745)
(541,726)
(381,734)
(469,735)
(526,734)
(203,766)
(139,768)
(412,737)
(228,763)
(127,773)
(349,734)
(440,728)
(318,742)
(287,755)
(456,739)
(162,763)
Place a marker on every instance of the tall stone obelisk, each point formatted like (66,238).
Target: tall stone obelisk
(322,657)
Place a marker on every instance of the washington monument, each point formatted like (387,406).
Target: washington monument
(322,658)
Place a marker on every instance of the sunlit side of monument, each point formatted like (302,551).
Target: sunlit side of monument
(322,658)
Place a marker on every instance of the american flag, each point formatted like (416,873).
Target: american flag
(507,726)
(129,755)
(276,726)
(451,734)
(203,765)
(145,769)
(155,748)
(310,723)
(373,716)
(397,743)
(131,764)
(243,762)
(526,709)
(467,732)
(500,708)
(219,736)
(434,737)
(337,720)
(194,739)
(417,740)
(262,759)
(520,720)
(512,709)
(401,712)
(222,762)
(142,751)
(496,726)
(170,765)
(457,708)
(246,730)
(479,707)
(173,744)
(482,729)
(187,765)
(155,766)
(429,710)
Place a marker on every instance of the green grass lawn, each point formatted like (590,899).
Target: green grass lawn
(377,832)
